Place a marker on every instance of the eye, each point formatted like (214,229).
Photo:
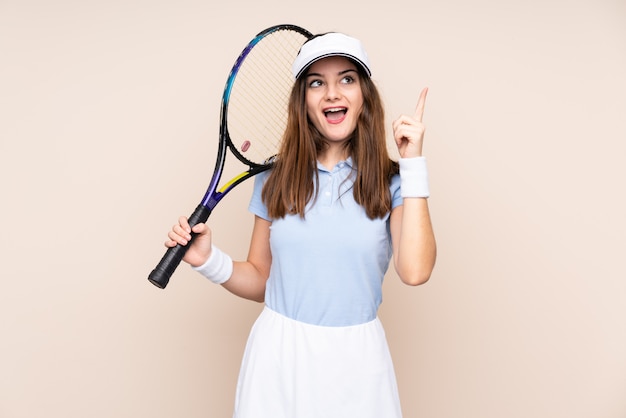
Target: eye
(315,83)
(348,79)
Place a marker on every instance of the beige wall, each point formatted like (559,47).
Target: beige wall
(108,127)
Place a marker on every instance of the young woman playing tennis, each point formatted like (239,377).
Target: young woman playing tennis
(329,217)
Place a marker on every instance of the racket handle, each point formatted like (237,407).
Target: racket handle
(161,274)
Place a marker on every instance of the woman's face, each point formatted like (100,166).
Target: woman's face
(333,97)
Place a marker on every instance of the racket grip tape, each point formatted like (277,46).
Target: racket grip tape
(161,274)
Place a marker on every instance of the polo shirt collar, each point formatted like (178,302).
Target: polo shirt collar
(347,162)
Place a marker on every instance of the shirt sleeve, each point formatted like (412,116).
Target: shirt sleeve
(394,188)
(256,205)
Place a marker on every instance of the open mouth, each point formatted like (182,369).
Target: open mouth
(335,114)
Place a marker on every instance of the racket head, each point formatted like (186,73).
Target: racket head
(254,105)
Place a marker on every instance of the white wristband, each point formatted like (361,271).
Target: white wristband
(413,177)
(217,268)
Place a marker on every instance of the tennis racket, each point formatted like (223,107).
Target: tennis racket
(253,118)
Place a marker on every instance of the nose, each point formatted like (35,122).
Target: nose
(332,92)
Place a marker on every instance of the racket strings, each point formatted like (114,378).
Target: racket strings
(257,108)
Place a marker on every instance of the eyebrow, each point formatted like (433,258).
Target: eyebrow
(349,70)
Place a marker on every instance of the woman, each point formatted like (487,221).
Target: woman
(328,218)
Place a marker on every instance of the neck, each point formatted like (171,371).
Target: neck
(330,156)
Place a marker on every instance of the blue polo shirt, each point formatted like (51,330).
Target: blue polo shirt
(328,268)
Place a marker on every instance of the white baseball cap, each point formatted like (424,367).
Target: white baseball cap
(329,45)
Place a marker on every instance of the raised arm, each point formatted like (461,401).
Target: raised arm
(413,240)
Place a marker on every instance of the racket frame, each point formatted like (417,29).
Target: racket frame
(161,274)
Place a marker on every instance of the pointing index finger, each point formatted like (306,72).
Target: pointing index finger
(419,109)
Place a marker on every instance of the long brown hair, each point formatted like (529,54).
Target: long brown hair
(291,184)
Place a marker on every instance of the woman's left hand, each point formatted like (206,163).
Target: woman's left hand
(408,132)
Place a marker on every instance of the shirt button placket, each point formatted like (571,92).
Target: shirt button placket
(328,194)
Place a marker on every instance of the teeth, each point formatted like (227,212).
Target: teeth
(335,109)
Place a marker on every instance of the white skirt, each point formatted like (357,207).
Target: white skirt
(292,369)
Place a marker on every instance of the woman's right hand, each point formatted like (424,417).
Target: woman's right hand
(200,248)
